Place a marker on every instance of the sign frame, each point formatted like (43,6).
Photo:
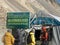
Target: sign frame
(18,26)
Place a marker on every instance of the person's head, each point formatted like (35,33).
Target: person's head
(10,31)
(44,28)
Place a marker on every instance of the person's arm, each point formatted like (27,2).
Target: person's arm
(46,35)
(12,39)
(41,37)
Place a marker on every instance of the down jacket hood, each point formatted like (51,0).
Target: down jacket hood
(7,34)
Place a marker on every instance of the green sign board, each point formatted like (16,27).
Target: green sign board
(18,20)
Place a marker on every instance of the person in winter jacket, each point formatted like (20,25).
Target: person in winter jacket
(32,38)
(17,37)
(44,36)
(8,38)
(45,33)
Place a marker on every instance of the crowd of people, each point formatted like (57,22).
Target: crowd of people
(9,39)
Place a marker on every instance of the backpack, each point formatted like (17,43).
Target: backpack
(29,40)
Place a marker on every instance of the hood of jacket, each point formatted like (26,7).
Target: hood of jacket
(7,34)
(31,33)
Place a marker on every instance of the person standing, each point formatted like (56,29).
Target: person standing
(8,38)
(44,36)
(32,37)
(17,36)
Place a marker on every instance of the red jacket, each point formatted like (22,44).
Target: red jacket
(44,36)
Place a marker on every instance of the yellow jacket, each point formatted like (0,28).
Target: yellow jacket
(32,37)
(8,39)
